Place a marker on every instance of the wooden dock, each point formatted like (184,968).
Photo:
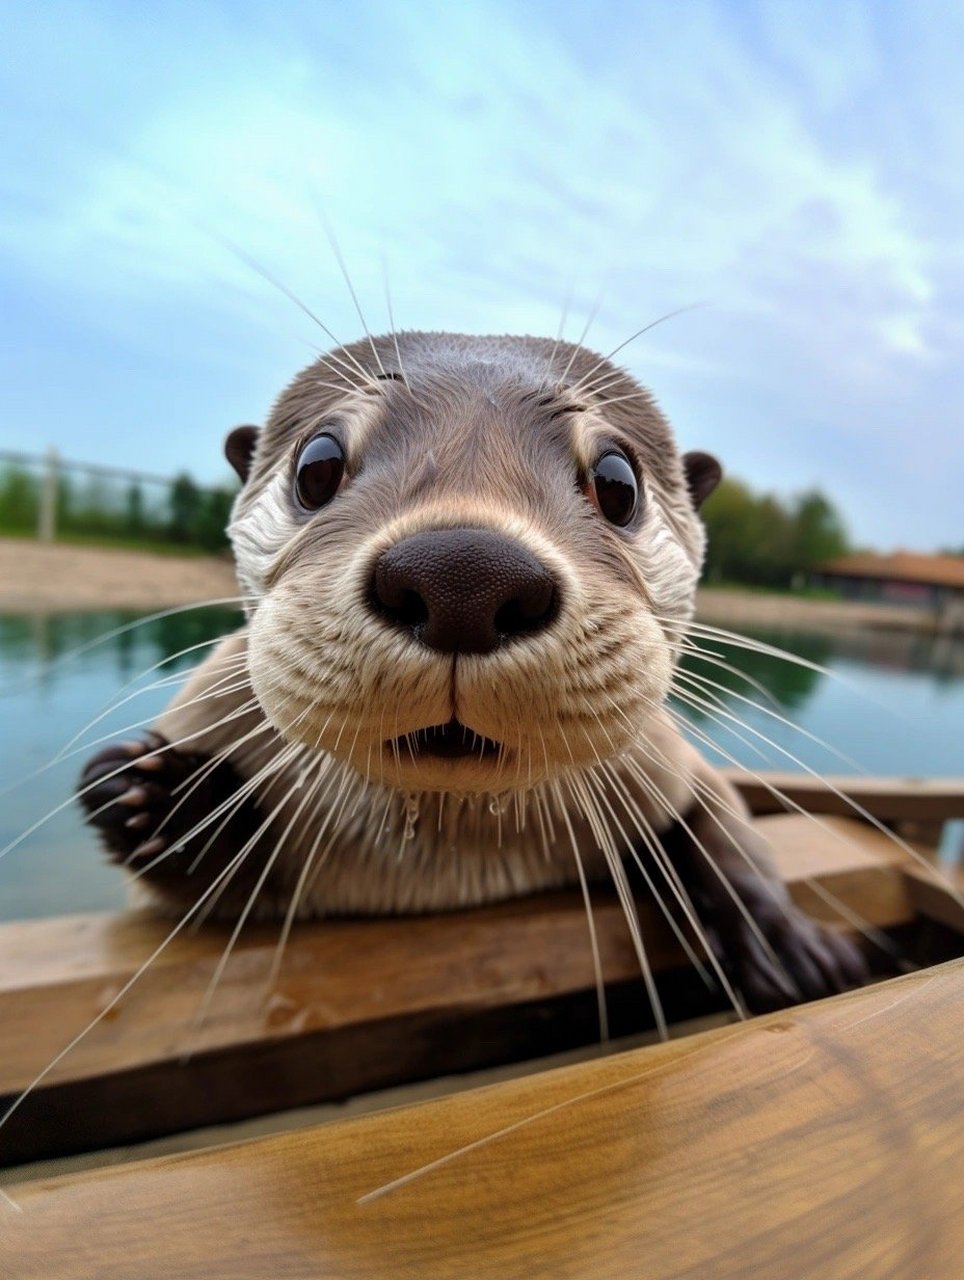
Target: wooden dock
(825,1141)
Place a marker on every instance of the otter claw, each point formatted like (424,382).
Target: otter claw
(134,798)
(151,763)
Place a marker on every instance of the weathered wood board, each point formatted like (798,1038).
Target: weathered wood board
(826,1141)
(357,1005)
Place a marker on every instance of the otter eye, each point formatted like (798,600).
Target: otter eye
(321,465)
(614,488)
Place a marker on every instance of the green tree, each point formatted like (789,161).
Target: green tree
(135,508)
(18,499)
(764,540)
(212,520)
(185,504)
(817,531)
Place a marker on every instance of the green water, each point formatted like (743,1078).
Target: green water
(892,703)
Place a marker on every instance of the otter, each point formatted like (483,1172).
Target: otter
(468,566)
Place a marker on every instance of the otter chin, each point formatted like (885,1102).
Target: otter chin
(468,565)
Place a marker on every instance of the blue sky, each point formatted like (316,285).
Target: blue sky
(796,167)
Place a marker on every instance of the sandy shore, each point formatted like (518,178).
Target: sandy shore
(749,608)
(35,578)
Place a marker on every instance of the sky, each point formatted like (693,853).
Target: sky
(794,172)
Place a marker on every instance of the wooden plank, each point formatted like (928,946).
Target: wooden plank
(824,1141)
(888,799)
(932,900)
(357,1005)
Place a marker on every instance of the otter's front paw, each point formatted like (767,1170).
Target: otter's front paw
(802,960)
(141,797)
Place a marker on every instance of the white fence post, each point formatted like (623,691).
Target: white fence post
(47,506)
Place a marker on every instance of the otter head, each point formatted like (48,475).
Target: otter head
(468,559)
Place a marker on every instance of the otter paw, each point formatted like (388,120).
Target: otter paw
(802,960)
(129,792)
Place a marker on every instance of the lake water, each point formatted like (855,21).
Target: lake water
(893,703)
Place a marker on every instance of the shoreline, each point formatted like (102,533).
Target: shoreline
(735,608)
(42,578)
(39,578)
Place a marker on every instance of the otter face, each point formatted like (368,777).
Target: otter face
(468,559)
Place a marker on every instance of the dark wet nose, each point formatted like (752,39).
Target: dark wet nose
(464,590)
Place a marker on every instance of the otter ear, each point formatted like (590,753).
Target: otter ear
(703,474)
(239,449)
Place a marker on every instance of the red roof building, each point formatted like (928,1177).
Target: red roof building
(904,577)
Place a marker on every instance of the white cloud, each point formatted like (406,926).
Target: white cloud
(502,156)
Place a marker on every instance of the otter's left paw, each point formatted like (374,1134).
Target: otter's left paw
(802,960)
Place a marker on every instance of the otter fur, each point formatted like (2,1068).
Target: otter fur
(468,566)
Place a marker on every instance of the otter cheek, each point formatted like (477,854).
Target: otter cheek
(275,681)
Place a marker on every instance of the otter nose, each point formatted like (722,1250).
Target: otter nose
(464,590)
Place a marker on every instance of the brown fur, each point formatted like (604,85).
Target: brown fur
(497,433)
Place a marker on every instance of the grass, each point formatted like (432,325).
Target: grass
(757,589)
(108,543)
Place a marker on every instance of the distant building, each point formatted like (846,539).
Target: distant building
(907,578)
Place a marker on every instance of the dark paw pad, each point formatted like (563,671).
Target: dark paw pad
(130,793)
(796,960)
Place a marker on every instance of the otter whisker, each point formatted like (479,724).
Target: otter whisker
(273,775)
(64,754)
(702,682)
(339,258)
(391,321)
(735,640)
(303,874)
(337,810)
(577,346)
(226,810)
(661,798)
(590,921)
(708,656)
(116,999)
(230,805)
(594,947)
(355,367)
(714,805)
(588,1095)
(566,302)
(207,696)
(868,930)
(117,702)
(72,654)
(687,698)
(258,886)
(854,805)
(81,791)
(583,798)
(597,785)
(652,842)
(186,789)
(670,315)
(700,790)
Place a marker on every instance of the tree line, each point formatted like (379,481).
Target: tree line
(765,540)
(755,538)
(91,505)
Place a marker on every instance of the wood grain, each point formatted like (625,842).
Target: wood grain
(827,1142)
(887,799)
(357,1005)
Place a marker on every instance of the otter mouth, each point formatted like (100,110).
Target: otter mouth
(451,741)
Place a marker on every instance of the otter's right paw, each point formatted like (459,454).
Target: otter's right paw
(138,795)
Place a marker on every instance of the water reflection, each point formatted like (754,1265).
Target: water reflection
(41,641)
(893,701)
(791,684)
(48,692)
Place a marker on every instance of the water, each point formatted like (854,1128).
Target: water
(894,703)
